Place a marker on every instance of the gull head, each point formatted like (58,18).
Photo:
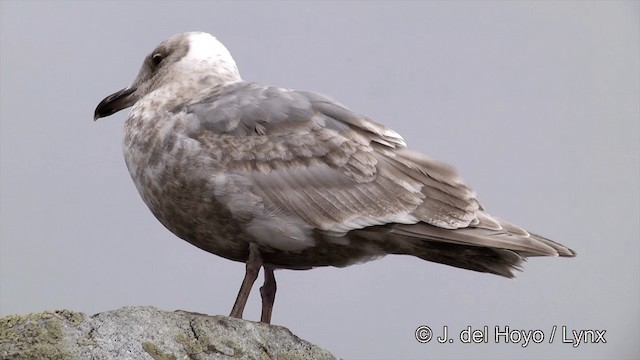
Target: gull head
(186,61)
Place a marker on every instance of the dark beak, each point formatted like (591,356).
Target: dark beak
(115,102)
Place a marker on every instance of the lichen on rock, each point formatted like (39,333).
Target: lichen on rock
(147,333)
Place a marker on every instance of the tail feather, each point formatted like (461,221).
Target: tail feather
(491,245)
(451,226)
(520,232)
(487,260)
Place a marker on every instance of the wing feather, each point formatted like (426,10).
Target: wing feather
(336,169)
(309,157)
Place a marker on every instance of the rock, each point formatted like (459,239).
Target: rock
(142,332)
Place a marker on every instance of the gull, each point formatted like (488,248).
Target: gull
(285,179)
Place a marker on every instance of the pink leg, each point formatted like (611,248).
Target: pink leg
(268,292)
(254,262)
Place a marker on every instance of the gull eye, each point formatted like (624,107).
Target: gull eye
(156,59)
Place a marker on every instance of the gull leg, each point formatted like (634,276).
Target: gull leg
(268,293)
(254,262)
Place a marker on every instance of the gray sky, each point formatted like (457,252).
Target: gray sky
(535,103)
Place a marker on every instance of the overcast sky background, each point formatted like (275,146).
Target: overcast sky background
(535,103)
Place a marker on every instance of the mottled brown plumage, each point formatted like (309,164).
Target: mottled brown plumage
(285,179)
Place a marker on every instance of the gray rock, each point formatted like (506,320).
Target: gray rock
(142,332)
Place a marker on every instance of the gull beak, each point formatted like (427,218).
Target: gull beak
(115,102)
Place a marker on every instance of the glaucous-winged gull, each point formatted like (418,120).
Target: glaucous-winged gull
(286,179)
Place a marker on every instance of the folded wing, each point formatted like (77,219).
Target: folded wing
(309,158)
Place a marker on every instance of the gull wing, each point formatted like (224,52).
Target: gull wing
(310,156)
(316,165)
